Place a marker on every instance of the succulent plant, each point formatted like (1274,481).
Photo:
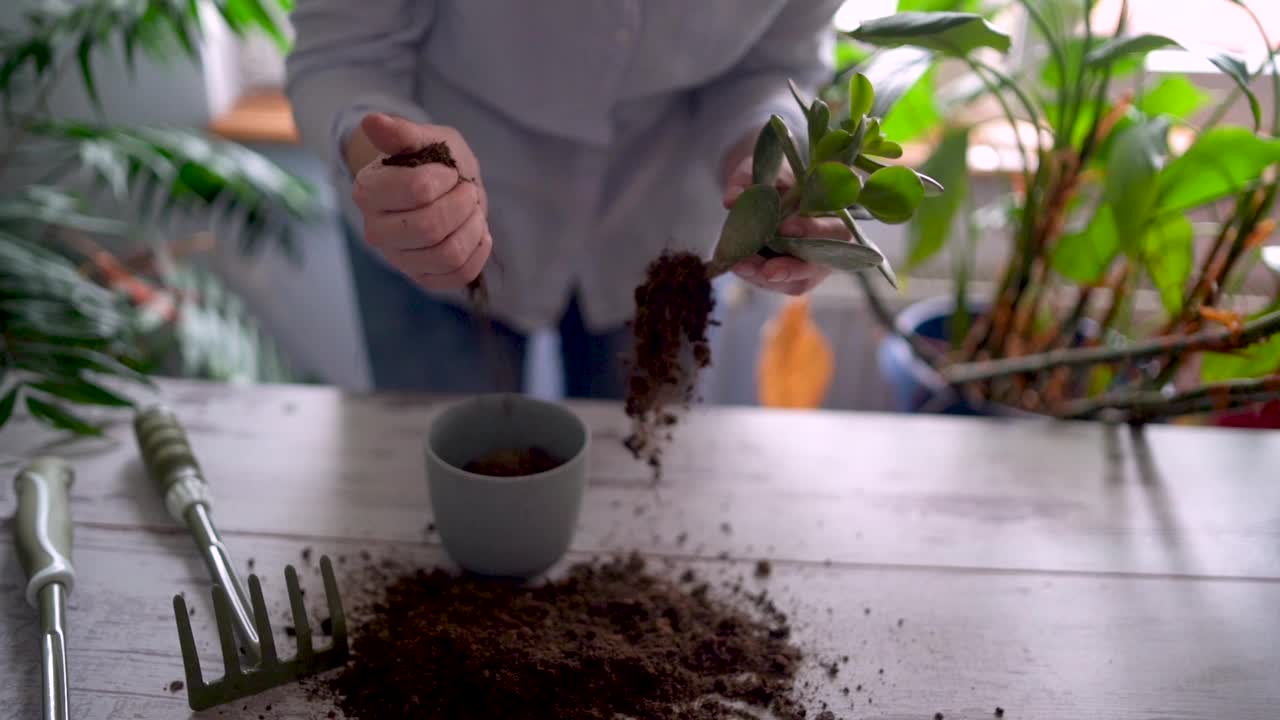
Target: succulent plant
(843,174)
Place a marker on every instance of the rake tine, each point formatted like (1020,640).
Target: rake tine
(337,618)
(190,660)
(300,624)
(226,636)
(263,622)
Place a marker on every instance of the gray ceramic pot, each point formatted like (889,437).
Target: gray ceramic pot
(506,526)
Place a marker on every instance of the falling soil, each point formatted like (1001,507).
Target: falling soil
(439,152)
(514,462)
(608,639)
(673,312)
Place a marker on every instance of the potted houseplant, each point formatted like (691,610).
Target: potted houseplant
(92,300)
(1115,192)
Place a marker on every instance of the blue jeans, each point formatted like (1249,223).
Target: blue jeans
(419,344)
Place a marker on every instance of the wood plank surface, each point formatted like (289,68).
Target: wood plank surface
(1055,570)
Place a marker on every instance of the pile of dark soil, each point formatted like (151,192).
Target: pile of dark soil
(514,462)
(673,312)
(606,640)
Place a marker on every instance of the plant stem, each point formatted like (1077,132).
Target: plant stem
(1151,405)
(1218,339)
(885,317)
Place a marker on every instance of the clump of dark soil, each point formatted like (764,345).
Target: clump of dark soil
(608,639)
(514,462)
(436,152)
(673,313)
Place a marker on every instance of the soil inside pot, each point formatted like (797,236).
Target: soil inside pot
(514,462)
(673,314)
(607,639)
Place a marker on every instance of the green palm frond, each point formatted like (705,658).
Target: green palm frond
(162,28)
(193,170)
(217,336)
(61,335)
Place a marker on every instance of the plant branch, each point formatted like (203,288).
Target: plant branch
(1152,405)
(1218,339)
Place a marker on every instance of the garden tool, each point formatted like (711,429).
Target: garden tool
(172,465)
(43,529)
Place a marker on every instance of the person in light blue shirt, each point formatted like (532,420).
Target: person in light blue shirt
(589,135)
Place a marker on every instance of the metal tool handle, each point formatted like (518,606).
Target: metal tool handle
(42,525)
(170,461)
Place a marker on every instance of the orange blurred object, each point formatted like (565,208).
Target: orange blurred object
(796,359)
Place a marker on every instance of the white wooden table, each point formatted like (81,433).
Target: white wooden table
(1055,570)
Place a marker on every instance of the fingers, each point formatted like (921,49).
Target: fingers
(821,227)
(384,189)
(788,275)
(469,270)
(445,258)
(426,226)
(392,135)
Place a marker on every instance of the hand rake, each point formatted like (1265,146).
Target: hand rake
(270,671)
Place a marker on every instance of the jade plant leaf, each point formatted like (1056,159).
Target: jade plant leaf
(819,121)
(838,254)
(950,33)
(832,186)
(750,224)
(789,146)
(861,96)
(892,194)
(835,145)
(766,161)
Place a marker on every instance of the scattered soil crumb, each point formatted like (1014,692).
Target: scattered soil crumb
(605,639)
(900,622)
(937,716)
(763,568)
(306,554)
(176,685)
(999,711)
(682,538)
(290,630)
(250,564)
(514,462)
(726,528)
(326,627)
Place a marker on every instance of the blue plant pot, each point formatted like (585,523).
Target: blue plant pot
(916,386)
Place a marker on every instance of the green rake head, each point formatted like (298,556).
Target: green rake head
(270,671)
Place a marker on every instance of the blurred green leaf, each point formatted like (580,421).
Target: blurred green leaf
(59,417)
(893,73)
(1084,256)
(892,194)
(830,187)
(45,205)
(81,390)
(1074,50)
(1135,161)
(1175,96)
(934,219)
(750,224)
(916,112)
(1166,253)
(7,402)
(1221,162)
(1257,360)
(950,33)
(766,159)
(1122,47)
(1239,73)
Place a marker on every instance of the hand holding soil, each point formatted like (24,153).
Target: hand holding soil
(426,213)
